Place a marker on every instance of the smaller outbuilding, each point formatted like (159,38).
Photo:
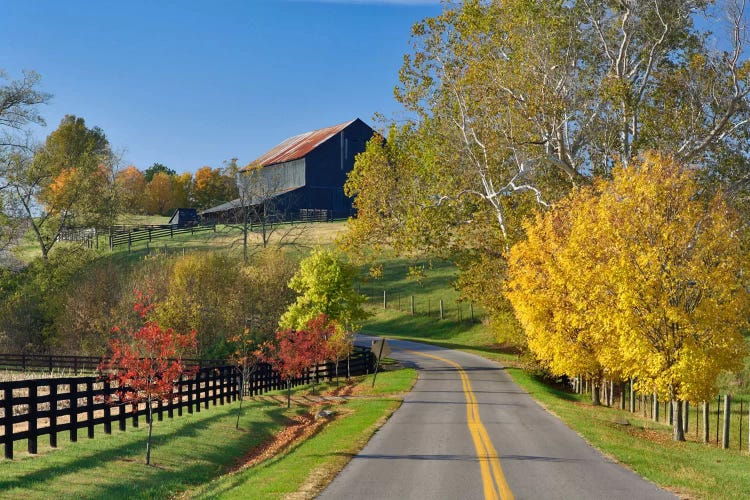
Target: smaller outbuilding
(185,217)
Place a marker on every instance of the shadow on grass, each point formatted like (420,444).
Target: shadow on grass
(150,480)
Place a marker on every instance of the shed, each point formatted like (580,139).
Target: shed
(185,217)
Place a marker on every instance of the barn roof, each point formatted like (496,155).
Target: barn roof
(300,145)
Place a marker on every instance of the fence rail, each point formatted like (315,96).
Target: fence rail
(33,408)
(78,364)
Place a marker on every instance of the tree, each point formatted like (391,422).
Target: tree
(212,187)
(157,168)
(326,286)
(514,103)
(131,184)
(257,206)
(553,287)
(663,298)
(183,190)
(206,293)
(296,351)
(160,197)
(67,182)
(146,364)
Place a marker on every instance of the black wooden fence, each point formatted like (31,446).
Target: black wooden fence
(263,378)
(76,364)
(33,408)
(124,235)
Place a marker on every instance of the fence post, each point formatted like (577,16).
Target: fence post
(90,408)
(53,414)
(73,411)
(632,397)
(7,411)
(130,239)
(107,409)
(655,411)
(441,309)
(725,432)
(32,440)
(385,303)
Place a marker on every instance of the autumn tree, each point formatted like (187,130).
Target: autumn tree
(182,186)
(160,197)
(146,364)
(131,184)
(206,293)
(514,103)
(663,297)
(67,182)
(212,187)
(325,285)
(551,287)
(295,351)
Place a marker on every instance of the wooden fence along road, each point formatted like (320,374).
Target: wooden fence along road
(33,408)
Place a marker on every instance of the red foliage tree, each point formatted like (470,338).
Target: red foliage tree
(146,363)
(296,351)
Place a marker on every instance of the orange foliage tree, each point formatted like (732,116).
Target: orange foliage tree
(146,363)
(296,351)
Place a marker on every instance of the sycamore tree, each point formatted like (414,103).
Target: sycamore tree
(653,274)
(512,104)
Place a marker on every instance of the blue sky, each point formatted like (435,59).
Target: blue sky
(188,83)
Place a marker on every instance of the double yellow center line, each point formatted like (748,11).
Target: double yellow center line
(493,480)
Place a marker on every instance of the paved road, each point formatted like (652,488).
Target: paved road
(468,431)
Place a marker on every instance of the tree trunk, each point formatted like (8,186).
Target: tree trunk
(678,432)
(150,430)
(288,393)
(595,393)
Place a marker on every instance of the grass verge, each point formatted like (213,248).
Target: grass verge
(189,451)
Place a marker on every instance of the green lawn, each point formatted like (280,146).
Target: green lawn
(193,450)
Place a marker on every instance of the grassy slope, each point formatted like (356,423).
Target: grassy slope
(691,468)
(191,451)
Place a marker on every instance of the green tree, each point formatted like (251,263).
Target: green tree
(325,285)
(157,168)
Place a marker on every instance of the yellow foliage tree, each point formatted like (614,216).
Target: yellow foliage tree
(641,275)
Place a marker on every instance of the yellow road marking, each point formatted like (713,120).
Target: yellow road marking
(493,479)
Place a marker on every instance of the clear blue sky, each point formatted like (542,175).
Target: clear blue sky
(194,83)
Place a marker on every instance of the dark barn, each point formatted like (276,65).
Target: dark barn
(306,174)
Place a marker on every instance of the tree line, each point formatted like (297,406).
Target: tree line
(159,190)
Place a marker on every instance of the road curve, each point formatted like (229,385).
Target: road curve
(467,431)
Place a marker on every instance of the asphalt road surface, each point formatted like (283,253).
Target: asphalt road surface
(468,431)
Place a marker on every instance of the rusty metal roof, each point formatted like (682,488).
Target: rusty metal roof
(300,145)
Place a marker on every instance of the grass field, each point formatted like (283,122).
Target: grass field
(193,450)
